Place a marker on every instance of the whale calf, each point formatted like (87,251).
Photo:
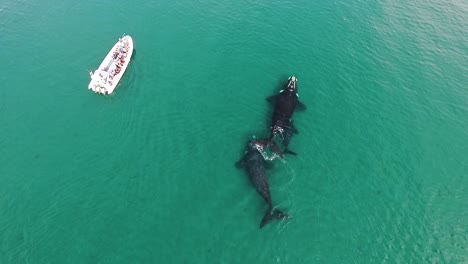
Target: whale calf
(255,165)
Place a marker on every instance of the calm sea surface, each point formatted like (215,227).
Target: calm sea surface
(146,175)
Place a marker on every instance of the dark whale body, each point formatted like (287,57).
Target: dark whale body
(285,103)
(255,165)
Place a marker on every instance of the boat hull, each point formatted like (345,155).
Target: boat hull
(105,79)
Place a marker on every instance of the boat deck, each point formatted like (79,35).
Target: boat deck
(107,76)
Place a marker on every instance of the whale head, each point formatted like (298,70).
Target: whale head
(261,145)
(290,85)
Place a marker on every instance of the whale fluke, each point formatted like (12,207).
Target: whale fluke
(272,214)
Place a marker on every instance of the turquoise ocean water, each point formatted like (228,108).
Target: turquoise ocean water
(147,174)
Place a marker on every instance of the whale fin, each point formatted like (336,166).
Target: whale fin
(268,165)
(272,214)
(287,151)
(271,99)
(273,147)
(300,106)
(240,164)
(293,128)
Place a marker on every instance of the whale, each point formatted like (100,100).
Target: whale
(285,103)
(254,163)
